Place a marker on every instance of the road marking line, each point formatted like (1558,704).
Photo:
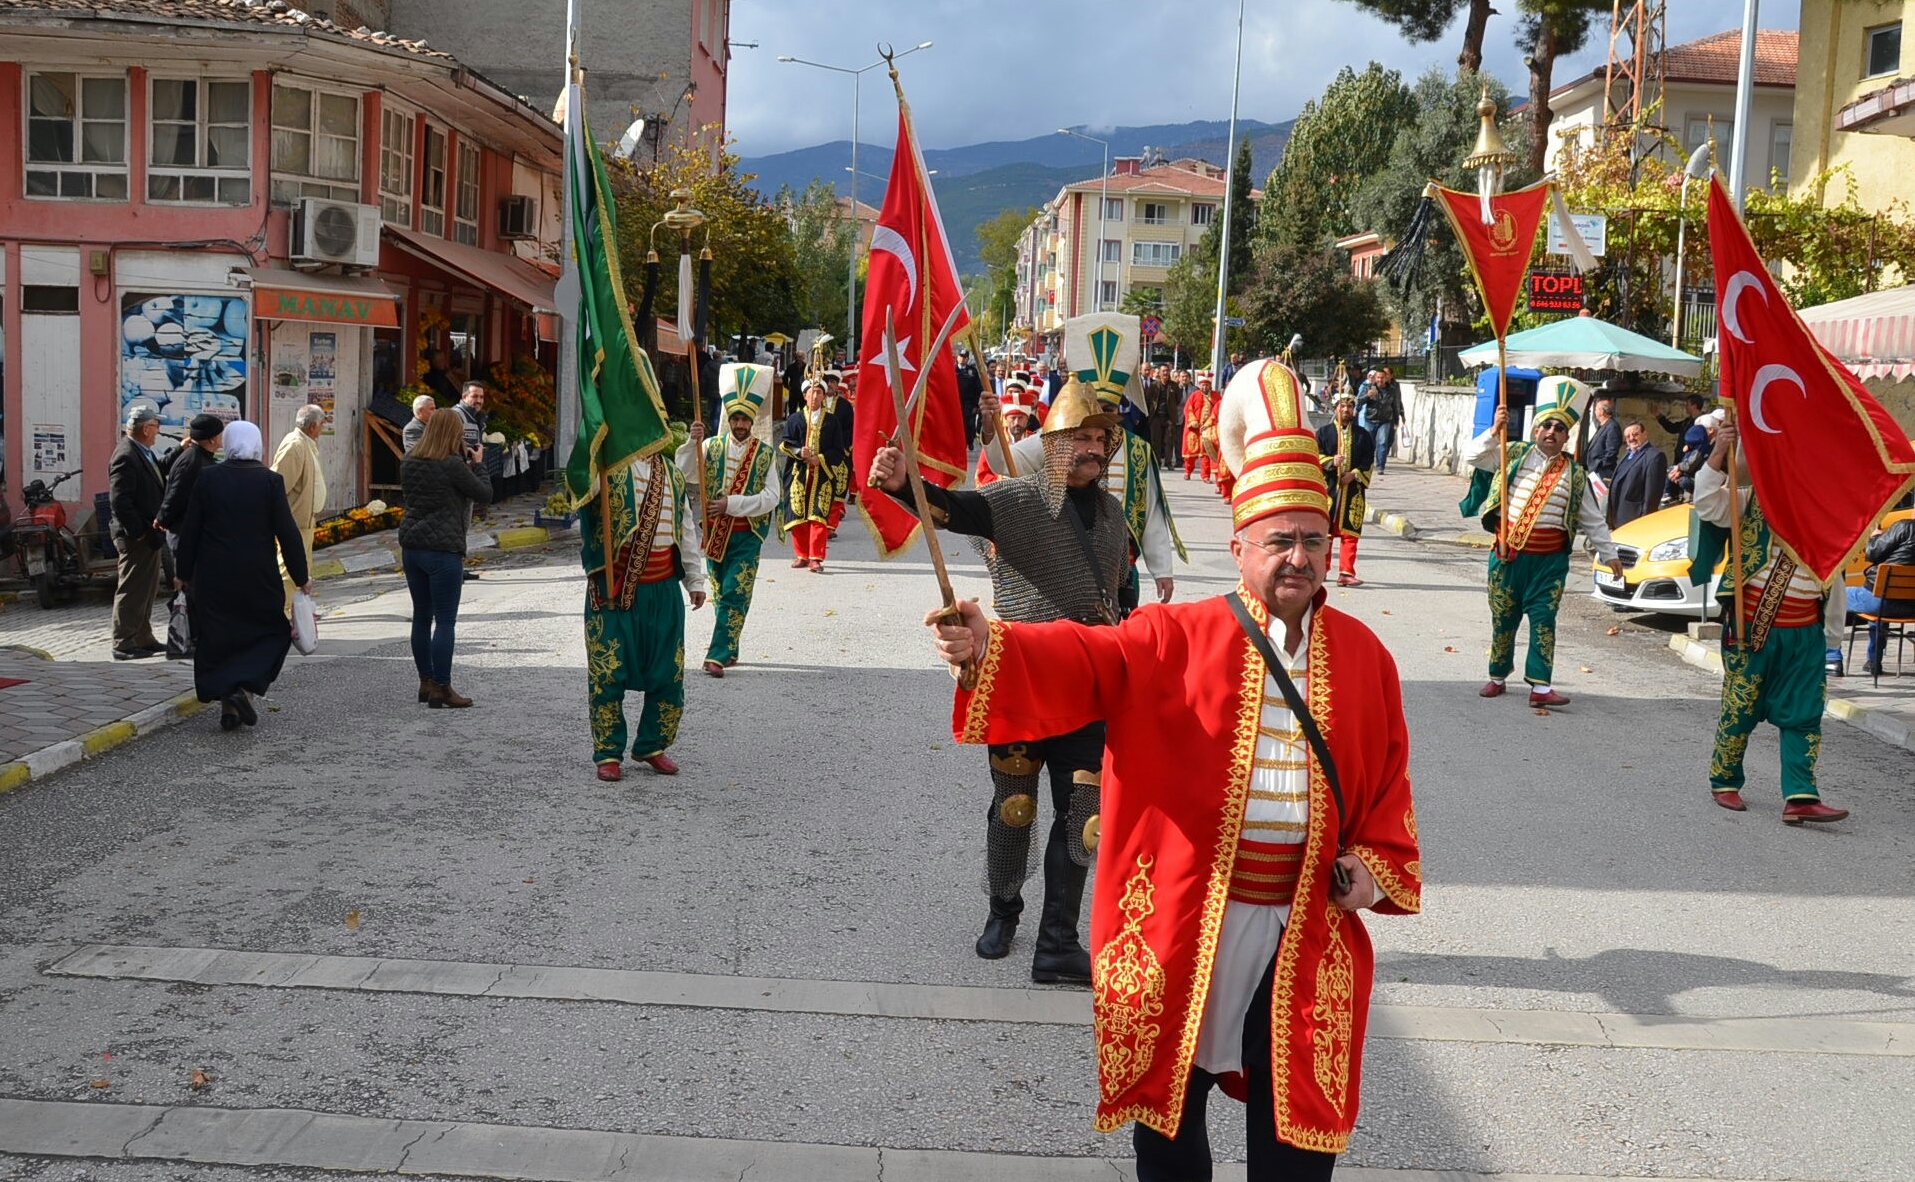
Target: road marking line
(290,1137)
(961,1003)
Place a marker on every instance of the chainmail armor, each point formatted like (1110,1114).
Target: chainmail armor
(1038,572)
(1084,793)
(1007,847)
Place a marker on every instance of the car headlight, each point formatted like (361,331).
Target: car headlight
(1670,551)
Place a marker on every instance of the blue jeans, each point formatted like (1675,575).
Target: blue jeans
(1384,434)
(436,578)
(1863,600)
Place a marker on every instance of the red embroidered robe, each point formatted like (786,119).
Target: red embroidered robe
(1183,688)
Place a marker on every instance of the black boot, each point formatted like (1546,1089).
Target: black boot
(1060,957)
(995,943)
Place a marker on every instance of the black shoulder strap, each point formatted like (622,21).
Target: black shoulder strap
(1294,700)
(1106,603)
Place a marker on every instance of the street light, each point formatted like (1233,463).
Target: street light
(857,82)
(1103,207)
(1220,322)
(1695,170)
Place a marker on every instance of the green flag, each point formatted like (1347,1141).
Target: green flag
(621,415)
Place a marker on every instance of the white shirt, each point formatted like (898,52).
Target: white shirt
(1484,452)
(671,531)
(1278,811)
(738,505)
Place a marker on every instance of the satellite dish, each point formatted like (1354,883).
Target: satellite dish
(628,143)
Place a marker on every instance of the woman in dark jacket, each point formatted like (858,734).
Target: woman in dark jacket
(237,524)
(440,488)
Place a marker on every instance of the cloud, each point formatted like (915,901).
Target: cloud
(1011,69)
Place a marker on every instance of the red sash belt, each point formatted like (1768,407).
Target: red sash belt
(1544,540)
(659,566)
(1793,612)
(740,524)
(1265,872)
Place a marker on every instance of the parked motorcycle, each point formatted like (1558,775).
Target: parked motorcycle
(44,551)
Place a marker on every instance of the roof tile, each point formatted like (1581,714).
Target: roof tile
(276,13)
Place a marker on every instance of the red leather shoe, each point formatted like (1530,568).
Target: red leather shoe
(796,563)
(1552,698)
(661,763)
(1349,581)
(714,669)
(610,772)
(1493,689)
(817,567)
(1797,811)
(1730,799)
(730,663)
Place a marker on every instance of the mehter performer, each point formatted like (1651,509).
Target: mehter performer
(741,491)
(1256,799)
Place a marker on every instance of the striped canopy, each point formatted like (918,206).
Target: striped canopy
(1872,334)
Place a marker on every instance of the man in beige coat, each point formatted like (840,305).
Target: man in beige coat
(297,462)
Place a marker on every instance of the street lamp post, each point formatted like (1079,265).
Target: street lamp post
(857,229)
(1103,208)
(1229,191)
(1695,170)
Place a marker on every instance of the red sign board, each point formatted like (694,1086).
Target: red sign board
(1151,326)
(1555,291)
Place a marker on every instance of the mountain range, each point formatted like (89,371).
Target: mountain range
(975,182)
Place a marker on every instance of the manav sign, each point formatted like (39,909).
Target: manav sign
(276,303)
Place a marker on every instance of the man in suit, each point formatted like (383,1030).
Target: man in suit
(1605,442)
(297,462)
(1640,476)
(136,488)
(970,394)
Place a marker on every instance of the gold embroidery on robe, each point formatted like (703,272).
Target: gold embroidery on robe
(1127,991)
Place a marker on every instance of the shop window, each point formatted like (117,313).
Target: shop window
(432,183)
(201,141)
(395,168)
(315,145)
(76,136)
(1883,52)
(465,214)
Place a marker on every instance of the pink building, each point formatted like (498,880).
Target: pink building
(221,206)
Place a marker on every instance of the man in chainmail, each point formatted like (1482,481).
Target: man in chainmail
(1058,550)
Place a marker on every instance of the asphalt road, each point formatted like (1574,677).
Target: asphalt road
(1751,983)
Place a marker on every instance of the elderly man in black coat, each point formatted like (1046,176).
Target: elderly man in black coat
(1640,476)
(135,487)
(1605,442)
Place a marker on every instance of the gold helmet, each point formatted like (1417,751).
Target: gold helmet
(1076,406)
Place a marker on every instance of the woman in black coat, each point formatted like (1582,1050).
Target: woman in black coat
(237,524)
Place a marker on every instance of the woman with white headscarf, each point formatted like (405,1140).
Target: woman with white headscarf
(237,525)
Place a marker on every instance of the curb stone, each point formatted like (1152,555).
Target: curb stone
(37,765)
(519,539)
(1396,523)
(1865,718)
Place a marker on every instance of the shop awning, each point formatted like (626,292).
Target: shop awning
(509,275)
(1872,334)
(324,299)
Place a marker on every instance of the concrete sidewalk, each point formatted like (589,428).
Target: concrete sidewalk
(1421,504)
(63,698)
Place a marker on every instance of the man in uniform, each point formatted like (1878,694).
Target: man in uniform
(814,446)
(1108,346)
(1227,947)
(1777,672)
(634,615)
(1200,411)
(1059,551)
(838,404)
(741,489)
(1348,453)
(1020,409)
(1550,502)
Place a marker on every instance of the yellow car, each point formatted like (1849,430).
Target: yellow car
(1654,549)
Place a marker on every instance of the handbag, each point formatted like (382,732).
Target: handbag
(179,628)
(305,624)
(1305,721)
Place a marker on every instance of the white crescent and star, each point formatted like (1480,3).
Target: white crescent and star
(886,239)
(1763,378)
(1737,282)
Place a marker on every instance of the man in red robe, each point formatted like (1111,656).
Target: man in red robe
(1223,950)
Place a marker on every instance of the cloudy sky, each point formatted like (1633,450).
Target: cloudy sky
(1010,69)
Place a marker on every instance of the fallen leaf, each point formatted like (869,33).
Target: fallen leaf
(100,1084)
(352,920)
(831,611)
(1586,669)
(1386,611)
(1449,648)
(1616,631)
(199,1079)
(529,880)
(1542,710)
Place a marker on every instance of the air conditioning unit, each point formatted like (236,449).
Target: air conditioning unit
(519,217)
(336,232)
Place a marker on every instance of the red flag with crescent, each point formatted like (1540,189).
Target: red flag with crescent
(913,277)
(1825,458)
(1498,251)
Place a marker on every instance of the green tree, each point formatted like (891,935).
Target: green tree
(755,282)
(1431,146)
(821,238)
(1423,21)
(1549,29)
(1300,290)
(1142,301)
(1339,140)
(997,246)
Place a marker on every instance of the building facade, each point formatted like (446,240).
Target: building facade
(213,206)
(1855,107)
(665,60)
(1100,239)
(1698,102)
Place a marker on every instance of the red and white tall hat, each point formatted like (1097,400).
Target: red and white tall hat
(1265,438)
(1020,399)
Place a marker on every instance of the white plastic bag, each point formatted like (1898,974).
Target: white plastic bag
(305,624)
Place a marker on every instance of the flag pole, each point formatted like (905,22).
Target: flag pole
(1502,444)
(1735,539)
(997,411)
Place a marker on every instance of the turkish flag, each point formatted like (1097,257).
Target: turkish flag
(912,277)
(1825,459)
(1498,252)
